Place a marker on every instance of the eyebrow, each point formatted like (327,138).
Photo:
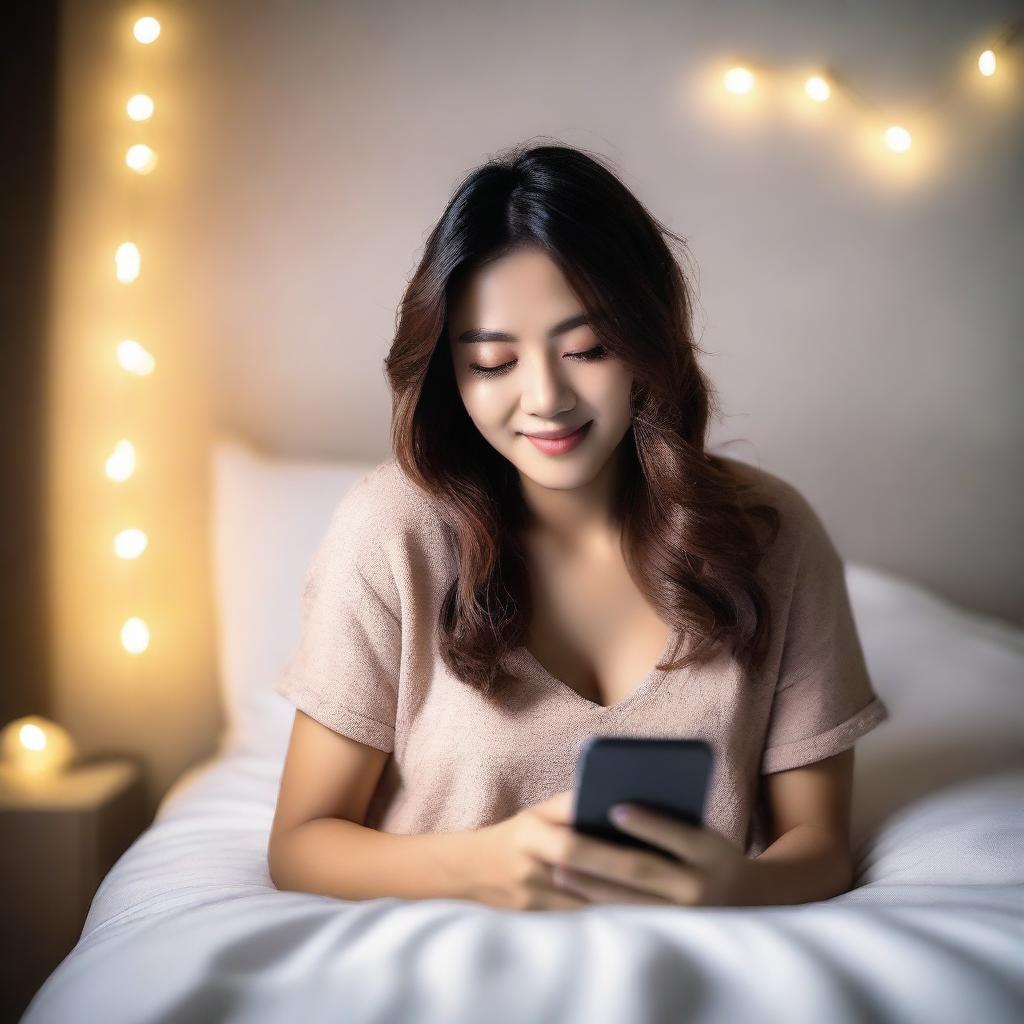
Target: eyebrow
(478,334)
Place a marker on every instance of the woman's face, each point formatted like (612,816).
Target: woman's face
(542,386)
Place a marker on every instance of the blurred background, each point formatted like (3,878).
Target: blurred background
(847,176)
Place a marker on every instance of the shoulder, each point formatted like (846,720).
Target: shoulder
(384,496)
(772,489)
(800,525)
(380,516)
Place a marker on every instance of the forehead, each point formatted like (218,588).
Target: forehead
(521,285)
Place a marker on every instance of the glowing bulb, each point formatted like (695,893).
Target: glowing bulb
(121,462)
(140,107)
(134,358)
(33,748)
(140,158)
(897,138)
(146,30)
(31,737)
(817,88)
(128,262)
(130,543)
(134,635)
(987,63)
(738,80)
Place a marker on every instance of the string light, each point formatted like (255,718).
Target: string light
(134,358)
(140,158)
(988,59)
(140,107)
(134,635)
(130,543)
(120,463)
(146,30)
(127,262)
(739,80)
(817,88)
(897,138)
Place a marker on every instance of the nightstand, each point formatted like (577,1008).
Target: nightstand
(57,842)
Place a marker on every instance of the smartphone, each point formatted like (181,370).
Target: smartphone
(669,776)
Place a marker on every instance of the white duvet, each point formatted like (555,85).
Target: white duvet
(188,927)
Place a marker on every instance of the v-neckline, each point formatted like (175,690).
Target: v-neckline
(525,660)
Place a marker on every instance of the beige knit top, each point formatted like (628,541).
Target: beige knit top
(367,667)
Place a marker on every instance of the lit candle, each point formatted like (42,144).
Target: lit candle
(34,749)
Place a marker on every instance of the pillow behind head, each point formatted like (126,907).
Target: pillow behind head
(267,519)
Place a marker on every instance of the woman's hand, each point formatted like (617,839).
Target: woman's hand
(516,863)
(501,862)
(713,873)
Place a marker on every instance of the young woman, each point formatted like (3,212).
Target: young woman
(488,598)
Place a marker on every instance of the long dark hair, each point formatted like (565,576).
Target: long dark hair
(689,542)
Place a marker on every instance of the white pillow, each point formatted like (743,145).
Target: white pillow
(269,516)
(953,680)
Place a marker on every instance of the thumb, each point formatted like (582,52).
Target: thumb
(557,808)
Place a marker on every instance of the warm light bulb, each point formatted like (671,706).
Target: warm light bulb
(140,158)
(987,63)
(134,358)
(146,30)
(897,138)
(140,107)
(130,543)
(31,737)
(134,635)
(33,749)
(738,80)
(121,462)
(128,262)
(817,88)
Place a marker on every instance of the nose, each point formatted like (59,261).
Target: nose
(546,390)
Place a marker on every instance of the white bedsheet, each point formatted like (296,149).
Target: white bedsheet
(187,926)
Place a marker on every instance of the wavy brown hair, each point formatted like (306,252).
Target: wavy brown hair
(688,538)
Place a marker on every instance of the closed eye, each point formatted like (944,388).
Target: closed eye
(598,352)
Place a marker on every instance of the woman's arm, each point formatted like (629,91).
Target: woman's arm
(318,842)
(335,857)
(810,857)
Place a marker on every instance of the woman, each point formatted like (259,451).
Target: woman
(486,600)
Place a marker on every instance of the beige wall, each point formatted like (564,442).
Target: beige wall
(862,325)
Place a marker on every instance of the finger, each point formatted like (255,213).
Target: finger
(691,843)
(601,890)
(563,846)
(557,808)
(554,898)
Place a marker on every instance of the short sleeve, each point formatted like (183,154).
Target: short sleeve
(824,699)
(345,669)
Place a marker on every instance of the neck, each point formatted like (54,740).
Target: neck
(574,520)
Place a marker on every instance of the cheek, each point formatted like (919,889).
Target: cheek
(484,400)
(610,392)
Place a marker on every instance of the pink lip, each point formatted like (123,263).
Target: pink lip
(559,445)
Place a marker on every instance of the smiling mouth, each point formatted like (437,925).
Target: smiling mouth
(555,446)
(558,437)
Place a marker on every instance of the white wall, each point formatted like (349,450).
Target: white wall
(862,314)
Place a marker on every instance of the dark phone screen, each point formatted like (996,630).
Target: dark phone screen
(669,776)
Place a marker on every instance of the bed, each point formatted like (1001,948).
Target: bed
(187,925)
